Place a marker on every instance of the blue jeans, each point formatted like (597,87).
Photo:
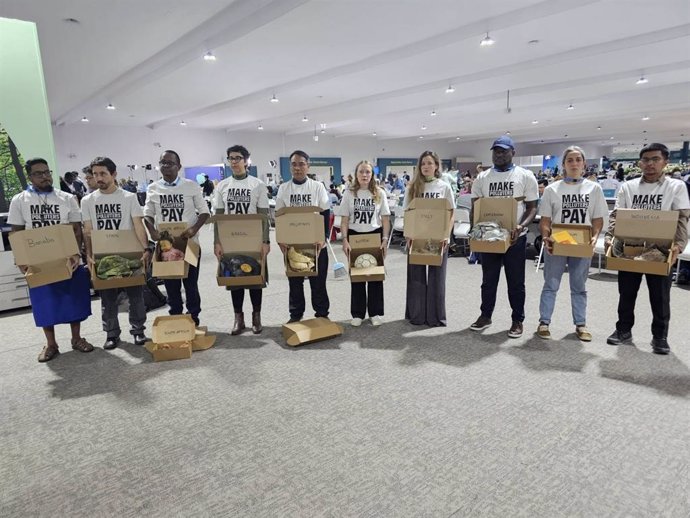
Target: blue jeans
(578,270)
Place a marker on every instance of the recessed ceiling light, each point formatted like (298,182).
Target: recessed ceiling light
(183,123)
(84,119)
(507,132)
(642,80)
(423,127)
(110,107)
(305,119)
(323,131)
(457,138)
(645,118)
(373,134)
(209,56)
(260,127)
(433,113)
(610,138)
(487,41)
(535,121)
(599,127)
(421,137)
(274,99)
(450,89)
(532,42)
(571,107)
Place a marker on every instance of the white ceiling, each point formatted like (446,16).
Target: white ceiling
(364,66)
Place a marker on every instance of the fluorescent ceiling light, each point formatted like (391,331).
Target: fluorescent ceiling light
(642,80)
(433,113)
(645,118)
(305,119)
(183,123)
(209,56)
(571,107)
(110,107)
(487,41)
(274,99)
(84,119)
(535,121)
(260,127)
(450,89)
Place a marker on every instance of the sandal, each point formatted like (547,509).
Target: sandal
(82,345)
(48,353)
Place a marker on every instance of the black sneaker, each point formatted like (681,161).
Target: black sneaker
(660,346)
(620,337)
(140,339)
(111,343)
(480,324)
(294,319)
(515,330)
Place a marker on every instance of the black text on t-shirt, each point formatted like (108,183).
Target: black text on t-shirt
(238,201)
(501,189)
(44,215)
(574,208)
(647,201)
(108,216)
(432,195)
(172,207)
(364,211)
(300,200)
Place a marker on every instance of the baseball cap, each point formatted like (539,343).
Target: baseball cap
(504,141)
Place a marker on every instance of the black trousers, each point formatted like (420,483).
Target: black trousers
(659,287)
(426,294)
(366,296)
(255,294)
(173,289)
(319,295)
(513,261)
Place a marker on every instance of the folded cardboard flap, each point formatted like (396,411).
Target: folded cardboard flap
(43,245)
(311,330)
(655,226)
(499,210)
(180,336)
(428,218)
(419,254)
(48,273)
(240,233)
(299,225)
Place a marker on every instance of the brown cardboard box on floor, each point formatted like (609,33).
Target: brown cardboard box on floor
(427,220)
(124,243)
(311,330)
(174,337)
(241,234)
(46,251)
(652,226)
(366,244)
(499,210)
(175,269)
(580,233)
(301,228)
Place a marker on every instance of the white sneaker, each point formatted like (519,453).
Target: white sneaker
(356,322)
(376,321)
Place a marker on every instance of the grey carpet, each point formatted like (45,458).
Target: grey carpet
(395,421)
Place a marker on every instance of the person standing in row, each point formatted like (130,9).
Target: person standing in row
(569,201)
(652,191)
(111,208)
(302,191)
(175,199)
(243,194)
(65,302)
(364,210)
(426,292)
(506,180)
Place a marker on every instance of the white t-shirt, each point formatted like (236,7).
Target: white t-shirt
(514,183)
(573,203)
(434,189)
(363,214)
(240,196)
(112,211)
(310,193)
(31,209)
(670,194)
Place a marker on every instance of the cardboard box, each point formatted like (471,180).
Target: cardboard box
(241,234)
(581,233)
(124,243)
(366,244)
(653,226)
(301,227)
(427,219)
(309,331)
(175,269)
(46,251)
(417,256)
(499,210)
(180,334)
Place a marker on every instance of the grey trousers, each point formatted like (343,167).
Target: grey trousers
(426,294)
(137,311)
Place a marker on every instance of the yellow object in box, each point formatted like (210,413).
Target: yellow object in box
(563,237)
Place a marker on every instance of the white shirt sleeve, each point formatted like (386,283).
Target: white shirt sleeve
(531,187)
(280,201)
(477,187)
(86,210)
(599,207)
(680,196)
(262,201)
(343,209)
(324,202)
(218,197)
(150,205)
(136,211)
(15,216)
(621,197)
(385,209)
(448,194)
(545,208)
(74,212)
(199,203)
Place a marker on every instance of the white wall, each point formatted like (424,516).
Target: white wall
(135,145)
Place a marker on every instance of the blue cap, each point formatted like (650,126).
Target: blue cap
(505,142)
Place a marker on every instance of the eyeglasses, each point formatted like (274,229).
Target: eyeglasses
(167,163)
(42,173)
(653,159)
(235,158)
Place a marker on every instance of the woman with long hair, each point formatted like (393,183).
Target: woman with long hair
(426,285)
(364,210)
(570,201)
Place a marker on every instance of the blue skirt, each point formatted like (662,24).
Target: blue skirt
(62,302)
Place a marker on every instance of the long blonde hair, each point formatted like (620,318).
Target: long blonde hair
(372,187)
(416,187)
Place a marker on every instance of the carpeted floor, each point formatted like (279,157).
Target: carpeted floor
(395,421)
